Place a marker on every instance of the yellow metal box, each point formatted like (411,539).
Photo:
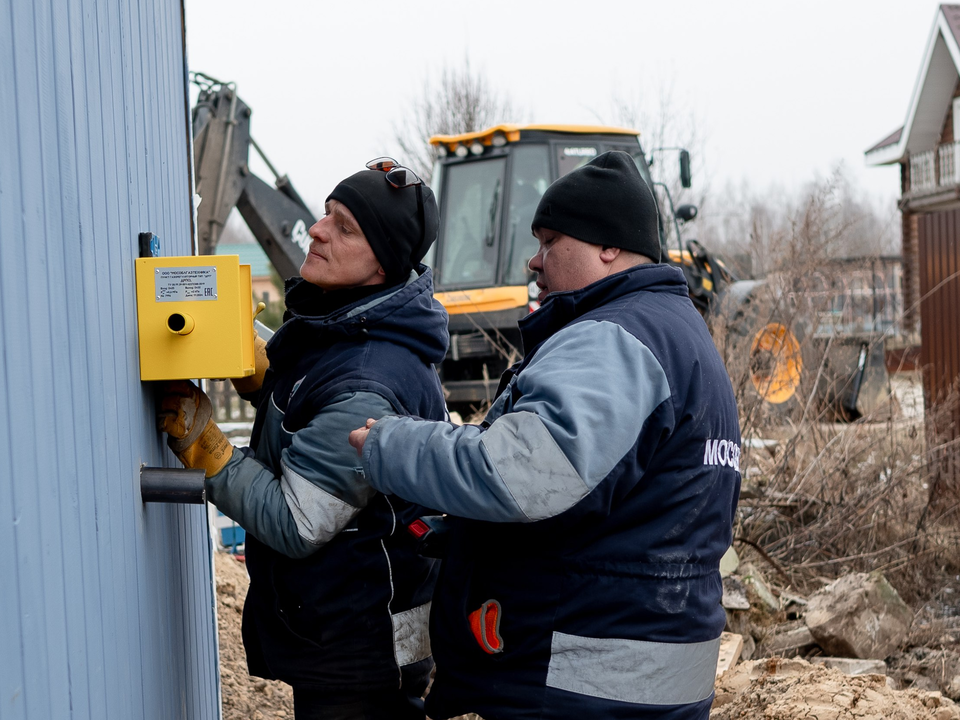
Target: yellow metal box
(195,317)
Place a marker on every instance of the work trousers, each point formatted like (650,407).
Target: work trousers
(395,704)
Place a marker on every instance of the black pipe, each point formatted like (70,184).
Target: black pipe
(172,485)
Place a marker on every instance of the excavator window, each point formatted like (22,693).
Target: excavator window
(530,178)
(571,155)
(469,222)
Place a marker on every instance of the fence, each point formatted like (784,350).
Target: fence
(853,296)
(228,407)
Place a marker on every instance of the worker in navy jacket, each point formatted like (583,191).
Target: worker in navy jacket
(597,497)
(339,598)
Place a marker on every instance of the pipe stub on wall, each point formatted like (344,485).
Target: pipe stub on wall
(172,485)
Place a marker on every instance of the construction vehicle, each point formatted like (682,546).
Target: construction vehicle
(277,215)
(488,184)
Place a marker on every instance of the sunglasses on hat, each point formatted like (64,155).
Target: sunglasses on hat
(399,177)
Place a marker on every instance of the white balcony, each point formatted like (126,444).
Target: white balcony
(922,177)
(949,170)
(934,172)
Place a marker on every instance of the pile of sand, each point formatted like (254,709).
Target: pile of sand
(780,689)
(244,697)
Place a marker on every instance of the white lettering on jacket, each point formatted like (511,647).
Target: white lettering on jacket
(725,453)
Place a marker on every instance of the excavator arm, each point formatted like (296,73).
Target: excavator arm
(276,214)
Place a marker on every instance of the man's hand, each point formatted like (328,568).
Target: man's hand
(187,417)
(252,383)
(359,436)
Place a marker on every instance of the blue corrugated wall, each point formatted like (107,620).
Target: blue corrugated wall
(106,605)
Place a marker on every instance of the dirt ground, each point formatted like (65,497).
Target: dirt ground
(778,689)
(244,697)
(774,689)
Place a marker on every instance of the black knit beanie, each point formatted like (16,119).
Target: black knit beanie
(389,219)
(605,202)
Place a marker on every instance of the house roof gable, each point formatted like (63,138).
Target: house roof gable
(932,94)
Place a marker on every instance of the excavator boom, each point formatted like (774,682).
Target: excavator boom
(276,214)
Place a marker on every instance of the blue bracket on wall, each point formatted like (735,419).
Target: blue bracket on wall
(149,244)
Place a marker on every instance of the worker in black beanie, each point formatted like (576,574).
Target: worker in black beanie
(609,466)
(333,573)
(605,202)
(399,223)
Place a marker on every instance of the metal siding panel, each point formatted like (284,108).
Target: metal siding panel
(41,588)
(111,603)
(937,300)
(197,626)
(190,629)
(81,327)
(13,661)
(100,352)
(950,297)
(940,301)
(157,677)
(925,252)
(946,304)
(946,296)
(948,307)
(940,311)
(67,324)
(124,566)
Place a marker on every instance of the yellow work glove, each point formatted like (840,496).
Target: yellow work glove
(186,415)
(252,383)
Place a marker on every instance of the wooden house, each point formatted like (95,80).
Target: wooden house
(927,148)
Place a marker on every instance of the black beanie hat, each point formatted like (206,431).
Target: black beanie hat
(389,219)
(605,202)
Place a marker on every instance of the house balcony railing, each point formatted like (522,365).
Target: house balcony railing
(948,165)
(922,176)
(934,170)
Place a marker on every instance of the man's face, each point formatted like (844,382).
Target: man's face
(340,256)
(564,263)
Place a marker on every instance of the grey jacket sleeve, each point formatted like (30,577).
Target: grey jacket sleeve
(583,401)
(320,489)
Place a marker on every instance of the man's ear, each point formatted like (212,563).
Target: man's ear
(609,253)
(380,271)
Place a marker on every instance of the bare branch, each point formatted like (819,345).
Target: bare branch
(461,101)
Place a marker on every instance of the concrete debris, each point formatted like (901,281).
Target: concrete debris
(731,645)
(757,587)
(858,615)
(789,643)
(729,562)
(734,595)
(853,666)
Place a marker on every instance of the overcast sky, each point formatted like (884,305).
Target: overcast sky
(784,91)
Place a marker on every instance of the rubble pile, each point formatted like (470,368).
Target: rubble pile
(856,625)
(791,689)
(842,653)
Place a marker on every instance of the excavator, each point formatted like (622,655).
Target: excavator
(488,184)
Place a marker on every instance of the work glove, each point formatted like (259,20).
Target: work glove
(252,383)
(186,415)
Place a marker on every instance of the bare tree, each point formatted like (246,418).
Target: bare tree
(462,101)
(831,216)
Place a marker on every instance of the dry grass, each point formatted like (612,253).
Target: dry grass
(828,498)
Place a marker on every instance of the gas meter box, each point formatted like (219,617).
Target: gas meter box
(195,317)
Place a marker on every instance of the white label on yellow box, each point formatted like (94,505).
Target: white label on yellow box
(176,284)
